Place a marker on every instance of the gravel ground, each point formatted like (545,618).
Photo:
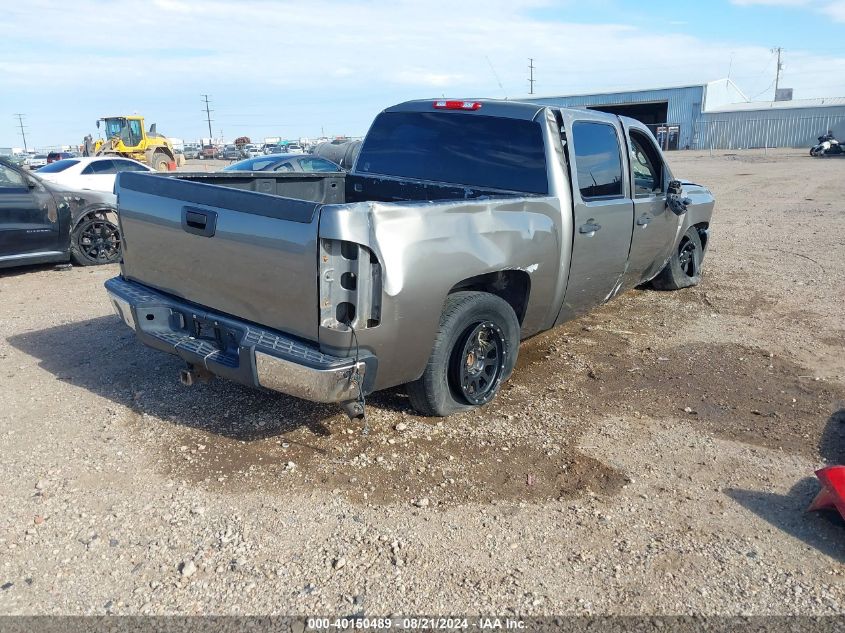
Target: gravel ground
(653,457)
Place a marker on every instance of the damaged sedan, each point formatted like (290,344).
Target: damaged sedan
(43,222)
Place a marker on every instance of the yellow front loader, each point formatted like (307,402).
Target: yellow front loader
(125,136)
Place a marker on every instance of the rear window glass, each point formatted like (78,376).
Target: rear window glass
(57,166)
(465,149)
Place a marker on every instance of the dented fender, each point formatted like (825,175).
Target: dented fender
(425,250)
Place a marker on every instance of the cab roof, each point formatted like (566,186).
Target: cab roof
(524,110)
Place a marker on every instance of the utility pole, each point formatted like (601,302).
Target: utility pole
(778,50)
(208,118)
(531,75)
(23,134)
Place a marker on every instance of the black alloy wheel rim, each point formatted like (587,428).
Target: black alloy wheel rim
(99,241)
(688,257)
(479,363)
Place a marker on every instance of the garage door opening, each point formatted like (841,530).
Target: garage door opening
(648,113)
(654,115)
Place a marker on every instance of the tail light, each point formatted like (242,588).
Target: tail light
(350,285)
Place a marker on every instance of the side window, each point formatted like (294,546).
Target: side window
(10,179)
(99,167)
(125,165)
(316,164)
(284,167)
(598,160)
(646,165)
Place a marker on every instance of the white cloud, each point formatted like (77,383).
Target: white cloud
(834,9)
(773,3)
(330,63)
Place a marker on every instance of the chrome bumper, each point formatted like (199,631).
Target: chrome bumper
(260,358)
(318,385)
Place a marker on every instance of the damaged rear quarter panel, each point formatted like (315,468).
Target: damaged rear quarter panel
(425,249)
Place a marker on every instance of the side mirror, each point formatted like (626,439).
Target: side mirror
(674,198)
(98,124)
(675,187)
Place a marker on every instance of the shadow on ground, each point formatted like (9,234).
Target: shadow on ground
(224,434)
(102,356)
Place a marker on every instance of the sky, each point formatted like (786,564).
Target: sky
(307,68)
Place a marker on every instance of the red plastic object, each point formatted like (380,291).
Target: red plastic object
(832,494)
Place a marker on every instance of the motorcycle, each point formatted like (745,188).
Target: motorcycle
(827,146)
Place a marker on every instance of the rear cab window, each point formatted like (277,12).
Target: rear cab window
(457,148)
(598,160)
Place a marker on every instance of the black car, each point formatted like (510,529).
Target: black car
(284,162)
(42,222)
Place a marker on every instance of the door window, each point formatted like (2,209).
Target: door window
(646,165)
(100,167)
(10,179)
(128,165)
(317,164)
(598,160)
(135,132)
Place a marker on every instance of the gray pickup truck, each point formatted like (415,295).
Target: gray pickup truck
(464,227)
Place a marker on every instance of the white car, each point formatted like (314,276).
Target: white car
(95,173)
(36,161)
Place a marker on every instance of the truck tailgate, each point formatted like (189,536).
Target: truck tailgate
(247,254)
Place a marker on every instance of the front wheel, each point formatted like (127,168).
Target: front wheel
(684,267)
(160,162)
(95,240)
(474,353)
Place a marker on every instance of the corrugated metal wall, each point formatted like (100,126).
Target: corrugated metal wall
(684,104)
(745,129)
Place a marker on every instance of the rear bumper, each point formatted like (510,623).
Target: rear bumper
(236,349)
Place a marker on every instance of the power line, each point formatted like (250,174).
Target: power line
(496,75)
(531,75)
(23,134)
(208,118)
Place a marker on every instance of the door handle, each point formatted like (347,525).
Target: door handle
(199,221)
(644,219)
(589,228)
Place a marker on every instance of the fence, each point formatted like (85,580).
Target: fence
(762,133)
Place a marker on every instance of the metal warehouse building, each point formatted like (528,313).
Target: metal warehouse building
(717,115)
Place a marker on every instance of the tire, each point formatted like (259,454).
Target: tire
(95,240)
(160,162)
(684,267)
(473,325)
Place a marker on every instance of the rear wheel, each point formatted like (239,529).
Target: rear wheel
(95,240)
(474,353)
(684,267)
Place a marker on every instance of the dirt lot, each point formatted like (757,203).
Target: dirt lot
(655,456)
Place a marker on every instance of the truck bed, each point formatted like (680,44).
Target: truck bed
(245,243)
